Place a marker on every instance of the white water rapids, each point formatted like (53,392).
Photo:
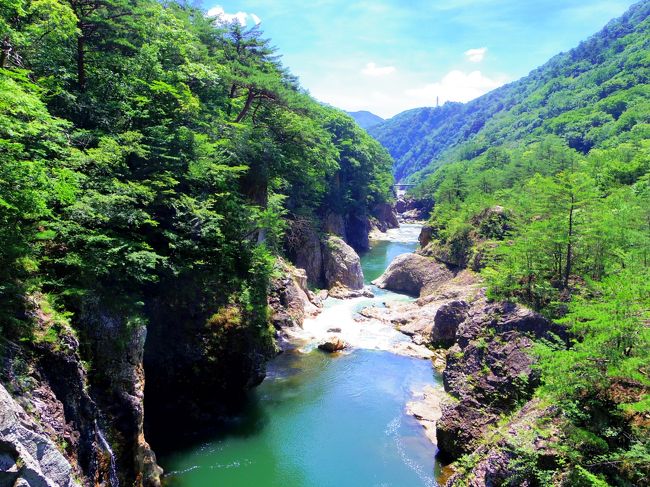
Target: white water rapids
(357,331)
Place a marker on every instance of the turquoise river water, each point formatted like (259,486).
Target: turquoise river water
(323,420)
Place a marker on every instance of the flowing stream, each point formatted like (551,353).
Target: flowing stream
(323,420)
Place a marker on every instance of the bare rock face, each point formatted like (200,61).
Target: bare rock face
(308,255)
(445,324)
(386,216)
(27,456)
(117,348)
(334,224)
(341,264)
(290,299)
(414,274)
(489,370)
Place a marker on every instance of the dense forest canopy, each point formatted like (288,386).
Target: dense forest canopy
(544,187)
(144,143)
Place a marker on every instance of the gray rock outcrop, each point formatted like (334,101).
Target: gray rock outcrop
(290,299)
(489,370)
(308,255)
(341,264)
(446,321)
(414,274)
(27,456)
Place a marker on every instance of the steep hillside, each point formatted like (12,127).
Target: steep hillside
(589,96)
(366,119)
(548,199)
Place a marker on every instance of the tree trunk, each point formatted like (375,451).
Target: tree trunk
(569,247)
(4,54)
(247,106)
(231,95)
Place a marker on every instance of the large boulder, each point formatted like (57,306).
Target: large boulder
(341,264)
(445,324)
(414,274)
(27,456)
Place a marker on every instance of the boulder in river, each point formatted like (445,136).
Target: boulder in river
(414,274)
(332,344)
(341,264)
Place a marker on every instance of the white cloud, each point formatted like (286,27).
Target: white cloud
(476,55)
(455,86)
(241,17)
(372,69)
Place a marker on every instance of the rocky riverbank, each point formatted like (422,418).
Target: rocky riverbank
(483,350)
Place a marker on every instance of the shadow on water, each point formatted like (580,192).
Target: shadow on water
(320,420)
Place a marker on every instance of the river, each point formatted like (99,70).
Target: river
(322,420)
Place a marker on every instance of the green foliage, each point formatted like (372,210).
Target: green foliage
(144,146)
(549,179)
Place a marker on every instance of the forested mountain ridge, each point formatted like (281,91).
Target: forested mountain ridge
(366,119)
(154,161)
(588,96)
(548,200)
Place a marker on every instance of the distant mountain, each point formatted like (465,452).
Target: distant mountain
(588,96)
(366,119)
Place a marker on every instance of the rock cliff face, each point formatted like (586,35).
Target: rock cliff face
(330,258)
(414,274)
(489,371)
(117,347)
(27,456)
(290,298)
(534,428)
(68,404)
(385,217)
(306,253)
(199,360)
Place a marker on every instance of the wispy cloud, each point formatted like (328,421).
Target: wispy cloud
(455,86)
(241,17)
(372,69)
(476,55)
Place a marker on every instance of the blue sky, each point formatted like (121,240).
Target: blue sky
(387,56)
